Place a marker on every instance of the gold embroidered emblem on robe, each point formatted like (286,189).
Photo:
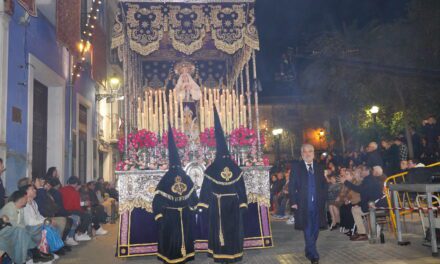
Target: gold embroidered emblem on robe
(226,174)
(178,187)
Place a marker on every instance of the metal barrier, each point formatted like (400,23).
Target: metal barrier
(404,199)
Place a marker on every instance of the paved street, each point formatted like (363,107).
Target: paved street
(334,247)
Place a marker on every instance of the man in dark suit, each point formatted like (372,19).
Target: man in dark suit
(308,194)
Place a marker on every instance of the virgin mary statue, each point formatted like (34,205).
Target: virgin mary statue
(187,89)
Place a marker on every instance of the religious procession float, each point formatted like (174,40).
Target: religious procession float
(179,60)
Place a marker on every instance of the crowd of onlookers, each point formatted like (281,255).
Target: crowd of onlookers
(43,219)
(356,178)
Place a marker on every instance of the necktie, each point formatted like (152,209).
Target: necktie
(310,170)
(311,175)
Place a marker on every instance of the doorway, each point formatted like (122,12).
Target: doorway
(39,132)
(82,143)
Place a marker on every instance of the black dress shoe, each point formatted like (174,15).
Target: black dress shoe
(38,256)
(61,252)
(67,248)
(315,261)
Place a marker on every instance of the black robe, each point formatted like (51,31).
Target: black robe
(225,199)
(174,208)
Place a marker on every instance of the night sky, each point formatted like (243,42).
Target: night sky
(292,23)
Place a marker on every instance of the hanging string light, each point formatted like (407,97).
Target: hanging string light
(85,44)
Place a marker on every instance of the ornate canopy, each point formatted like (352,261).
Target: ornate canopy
(218,36)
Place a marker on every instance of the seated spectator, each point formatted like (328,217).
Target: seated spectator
(48,208)
(283,198)
(52,186)
(347,199)
(111,190)
(72,203)
(33,220)
(95,206)
(279,184)
(15,241)
(333,193)
(370,190)
(273,180)
(52,172)
(104,199)
(14,237)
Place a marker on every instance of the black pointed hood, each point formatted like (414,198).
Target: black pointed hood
(220,141)
(173,154)
(223,169)
(175,182)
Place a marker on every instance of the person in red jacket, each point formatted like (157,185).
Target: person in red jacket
(72,204)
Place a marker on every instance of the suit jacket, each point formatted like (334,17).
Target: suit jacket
(298,193)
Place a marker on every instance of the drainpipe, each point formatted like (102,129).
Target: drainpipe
(70,142)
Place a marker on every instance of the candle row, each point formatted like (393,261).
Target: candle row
(230,106)
(156,108)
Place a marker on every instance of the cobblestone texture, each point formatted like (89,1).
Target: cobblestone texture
(333,247)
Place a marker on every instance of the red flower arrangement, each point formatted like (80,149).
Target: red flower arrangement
(243,136)
(144,139)
(138,140)
(180,138)
(207,137)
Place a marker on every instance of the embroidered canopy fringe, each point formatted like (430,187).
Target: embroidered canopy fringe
(232,26)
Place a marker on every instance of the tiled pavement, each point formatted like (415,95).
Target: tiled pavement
(334,247)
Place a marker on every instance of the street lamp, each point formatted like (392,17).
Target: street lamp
(374,110)
(114,83)
(277,132)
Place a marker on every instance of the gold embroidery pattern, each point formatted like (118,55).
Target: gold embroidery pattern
(223,183)
(117,33)
(173,198)
(226,174)
(144,28)
(178,187)
(232,27)
(187,30)
(227,27)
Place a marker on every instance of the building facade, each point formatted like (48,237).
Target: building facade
(44,120)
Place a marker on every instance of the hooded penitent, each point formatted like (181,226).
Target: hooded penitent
(223,193)
(173,207)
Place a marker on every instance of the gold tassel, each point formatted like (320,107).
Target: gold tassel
(220,235)
(182,249)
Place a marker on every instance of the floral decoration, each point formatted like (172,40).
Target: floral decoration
(180,138)
(207,138)
(244,136)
